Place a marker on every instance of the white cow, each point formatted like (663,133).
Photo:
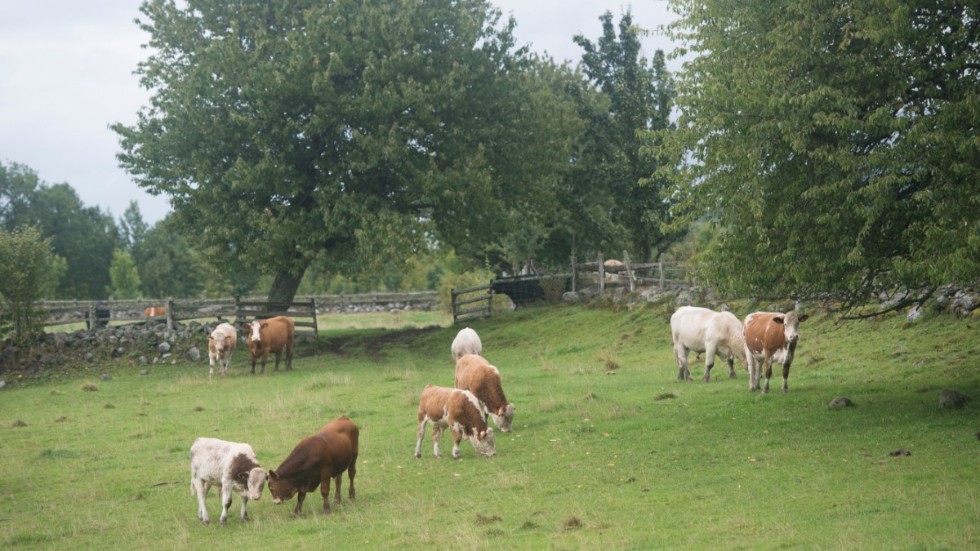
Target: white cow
(466,342)
(221,344)
(707,331)
(230,465)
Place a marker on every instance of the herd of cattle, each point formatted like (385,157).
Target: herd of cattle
(477,395)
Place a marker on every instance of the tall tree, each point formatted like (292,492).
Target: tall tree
(169,266)
(26,271)
(124,278)
(834,144)
(352,129)
(132,227)
(627,97)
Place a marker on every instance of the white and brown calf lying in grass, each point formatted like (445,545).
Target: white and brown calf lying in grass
(460,412)
(475,374)
(221,344)
(231,466)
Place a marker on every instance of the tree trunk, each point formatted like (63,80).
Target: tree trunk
(284,288)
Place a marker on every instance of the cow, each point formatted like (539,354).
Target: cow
(770,337)
(154,311)
(460,412)
(315,460)
(230,465)
(466,342)
(707,331)
(274,335)
(475,374)
(221,343)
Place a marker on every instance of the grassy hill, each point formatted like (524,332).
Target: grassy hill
(609,451)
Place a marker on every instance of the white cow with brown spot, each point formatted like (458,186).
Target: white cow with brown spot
(705,331)
(221,343)
(474,373)
(771,337)
(460,412)
(232,466)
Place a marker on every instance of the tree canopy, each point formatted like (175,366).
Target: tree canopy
(833,144)
(342,132)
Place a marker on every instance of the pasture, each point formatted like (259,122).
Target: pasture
(608,451)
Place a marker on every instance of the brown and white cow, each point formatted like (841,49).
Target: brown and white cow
(707,331)
(154,311)
(474,373)
(230,465)
(276,334)
(221,343)
(318,459)
(770,337)
(459,411)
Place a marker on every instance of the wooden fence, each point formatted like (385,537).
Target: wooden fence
(662,275)
(472,303)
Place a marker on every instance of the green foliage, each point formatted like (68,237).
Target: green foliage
(170,267)
(124,276)
(834,143)
(341,132)
(597,459)
(28,268)
(457,281)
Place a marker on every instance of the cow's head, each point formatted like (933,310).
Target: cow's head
(254,330)
(503,417)
(484,442)
(219,340)
(281,490)
(254,480)
(791,326)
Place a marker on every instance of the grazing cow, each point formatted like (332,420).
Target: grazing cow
(154,311)
(475,374)
(707,331)
(271,335)
(459,411)
(315,460)
(466,342)
(771,337)
(221,343)
(231,466)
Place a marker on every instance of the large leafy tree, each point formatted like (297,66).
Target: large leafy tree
(834,144)
(624,98)
(345,131)
(84,237)
(169,267)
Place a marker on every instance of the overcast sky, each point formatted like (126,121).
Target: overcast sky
(66,74)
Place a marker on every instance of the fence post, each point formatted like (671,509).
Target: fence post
(629,271)
(660,268)
(602,274)
(170,314)
(316,329)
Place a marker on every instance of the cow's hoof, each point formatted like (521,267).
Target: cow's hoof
(418,456)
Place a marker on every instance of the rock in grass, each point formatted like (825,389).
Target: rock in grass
(841,402)
(950,399)
(90,387)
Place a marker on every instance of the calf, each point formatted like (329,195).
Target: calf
(230,465)
(271,335)
(154,311)
(221,343)
(704,330)
(318,458)
(771,337)
(475,374)
(466,342)
(458,410)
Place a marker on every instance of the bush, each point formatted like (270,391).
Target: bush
(465,280)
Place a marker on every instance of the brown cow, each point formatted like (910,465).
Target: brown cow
(459,411)
(318,458)
(271,335)
(154,311)
(475,374)
(770,337)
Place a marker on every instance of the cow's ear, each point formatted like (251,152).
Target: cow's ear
(778,319)
(273,475)
(804,317)
(210,338)
(501,410)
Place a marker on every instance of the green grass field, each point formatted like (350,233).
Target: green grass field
(609,451)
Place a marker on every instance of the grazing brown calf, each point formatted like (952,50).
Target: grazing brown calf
(274,335)
(770,337)
(315,460)
(475,374)
(457,410)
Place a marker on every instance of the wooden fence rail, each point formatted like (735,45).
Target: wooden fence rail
(463,309)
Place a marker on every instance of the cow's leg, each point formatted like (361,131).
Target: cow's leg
(786,377)
(418,442)
(300,496)
(731,366)
(278,354)
(265,357)
(201,489)
(768,362)
(244,514)
(436,434)
(225,502)
(211,368)
(680,352)
(337,481)
(325,491)
(254,357)
(457,438)
(709,361)
(289,356)
(351,471)
(752,366)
